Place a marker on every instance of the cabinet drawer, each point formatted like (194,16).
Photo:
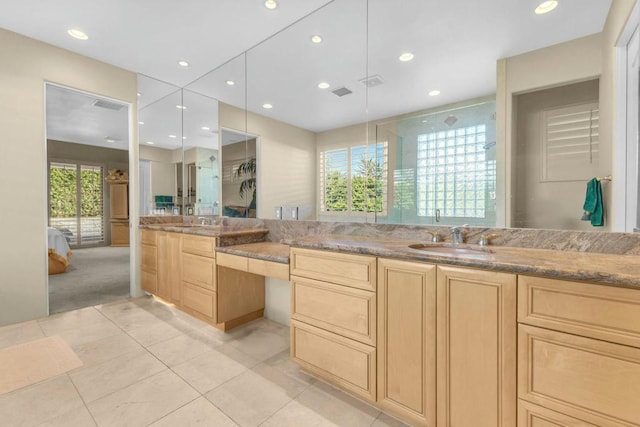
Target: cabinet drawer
(233,261)
(149,258)
(530,415)
(346,311)
(199,245)
(199,270)
(594,381)
(149,282)
(148,237)
(338,360)
(198,299)
(357,271)
(269,268)
(596,311)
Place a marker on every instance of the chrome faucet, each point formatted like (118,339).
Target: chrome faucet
(435,236)
(203,220)
(458,235)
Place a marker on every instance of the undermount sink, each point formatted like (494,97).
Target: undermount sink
(452,250)
(182,225)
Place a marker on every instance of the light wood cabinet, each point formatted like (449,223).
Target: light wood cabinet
(407,337)
(476,348)
(578,353)
(169,266)
(119,214)
(588,379)
(343,362)
(149,261)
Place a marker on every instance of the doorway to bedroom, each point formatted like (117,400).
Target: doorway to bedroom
(88,214)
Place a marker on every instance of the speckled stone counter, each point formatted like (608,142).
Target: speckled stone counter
(227,235)
(609,269)
(267,251)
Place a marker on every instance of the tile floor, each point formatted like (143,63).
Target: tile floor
(148,364)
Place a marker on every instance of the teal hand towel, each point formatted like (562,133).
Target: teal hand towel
(593,205)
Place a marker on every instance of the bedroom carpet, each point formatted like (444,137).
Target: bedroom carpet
(94,276)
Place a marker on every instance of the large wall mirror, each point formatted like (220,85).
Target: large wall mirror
(365,111)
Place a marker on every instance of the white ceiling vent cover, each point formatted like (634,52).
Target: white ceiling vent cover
(107,104)
(342,91)
(372,81)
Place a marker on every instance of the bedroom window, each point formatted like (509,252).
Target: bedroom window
(76,201)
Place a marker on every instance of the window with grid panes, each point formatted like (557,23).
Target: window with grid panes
(354,179)
(454,176)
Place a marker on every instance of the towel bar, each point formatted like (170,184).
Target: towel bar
(604,178)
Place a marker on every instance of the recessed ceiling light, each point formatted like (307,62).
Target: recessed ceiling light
(205,128)
(316,39)
(323,85)
(150,142)
(267,106)
(184,137)
(434,93)
(108,139)
(183,63)
(140,123)
(270,4)
(181,107)
(139,94)
(407,56)
(77,34)
(546,6)
(230,82)
(172,136)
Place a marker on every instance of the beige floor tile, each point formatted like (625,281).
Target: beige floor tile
(336,406)
(102,350)
(98,381)
(33,405)
(261,344)
(280,369)
(143,402)
(76,319)
(200,412)
(249,399)
(209,370)
(182,348)
(79,417)
(385,420)
(86,333)
(155,333)
(20,333)
(295,414)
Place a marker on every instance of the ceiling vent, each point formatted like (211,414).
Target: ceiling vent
(342,91)
(107,104)
(372,81)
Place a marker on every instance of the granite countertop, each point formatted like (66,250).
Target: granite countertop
(267,251)
(608,269)
(207,230)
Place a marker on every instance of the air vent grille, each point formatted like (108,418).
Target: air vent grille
(107,104)
(341,91)
(372,81)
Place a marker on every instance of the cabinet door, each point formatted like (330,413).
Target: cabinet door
(476,342)
(164,265)
(118,202)
(175,272)
(406,340)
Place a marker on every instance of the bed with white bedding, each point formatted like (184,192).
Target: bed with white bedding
(59,251)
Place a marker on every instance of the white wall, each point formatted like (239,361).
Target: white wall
(277,304)
(286,161)
(25,66)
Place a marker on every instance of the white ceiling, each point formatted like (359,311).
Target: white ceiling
(456,45)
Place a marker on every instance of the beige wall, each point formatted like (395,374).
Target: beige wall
(25,66)
(570,62)
(163,169)
(286,161)
(555,204)
(574,61)
(236,152)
